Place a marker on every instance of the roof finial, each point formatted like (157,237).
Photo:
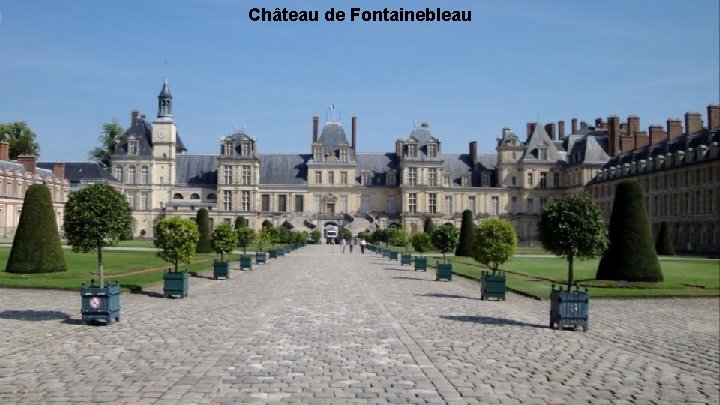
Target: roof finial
(165,71)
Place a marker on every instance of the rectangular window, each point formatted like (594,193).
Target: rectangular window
(412,202)
(365,179)
(391,205)
(449,205)
(530,206)
(495,209)
(432,177)
(412,150)
(665,209)
(529,180)
(245,175)
(227,174)
(143,201)
(244,201)
(365,204)
(343,203)
(412,176)
(543,180)
(318,177)
(431,150)
(245,149)
(131,200)
(265,202)
(331,177)
(227,149)
(227,200)
(698,202)
(556,180)
(687,203)
(471,204)
(513,206)
(543,203)
(711,202)
(343,178)
(282,202)
(656,206)
(432,203)
(299,203)
(514,181)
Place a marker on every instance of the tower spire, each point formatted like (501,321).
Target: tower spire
(165,101)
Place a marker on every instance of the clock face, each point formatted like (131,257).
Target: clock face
(161,133)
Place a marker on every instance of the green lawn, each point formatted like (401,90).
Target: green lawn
(534,276)
(132,269)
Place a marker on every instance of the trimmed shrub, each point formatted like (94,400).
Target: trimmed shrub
(495,242)
(421,242)
(429,226)
(177,238)
(240,222)
(631,255)
(203,224)
(36,247)
(467,235)
(663,245)
(445,239)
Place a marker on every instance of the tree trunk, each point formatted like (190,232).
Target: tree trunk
(570,272)
(176,265)
(101,267)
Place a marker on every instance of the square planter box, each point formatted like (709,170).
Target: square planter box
(569,308)
(100,304)
(493,285)
(260,257)
(420,263)
(245,262)
(386,253)
(273,253)
(444,271)
(221,269)
(393,255)
(405,259)
(281,252)
(175,283)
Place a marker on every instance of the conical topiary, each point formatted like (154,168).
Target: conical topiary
(36,247)
(631,255)
(467,235)
(204,245)
(428,226)
(663,245)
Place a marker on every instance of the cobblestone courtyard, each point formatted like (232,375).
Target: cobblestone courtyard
(324,327)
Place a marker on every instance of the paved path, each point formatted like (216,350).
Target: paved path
(322,327)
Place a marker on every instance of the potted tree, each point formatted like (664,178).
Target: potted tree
(398,238)
(95,218)
(422,243)
(222,240)
(315,236)
(262,240)
(245,236)
(445,239)
(177,239)
(493,245)
(572,227)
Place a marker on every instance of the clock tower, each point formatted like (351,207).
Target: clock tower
(164,132)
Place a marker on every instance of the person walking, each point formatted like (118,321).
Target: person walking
(343,243)
(362,246)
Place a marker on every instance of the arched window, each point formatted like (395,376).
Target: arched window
(212,196)
(131,175)
(145,175)
(177,196)
(119,173)
(194,196)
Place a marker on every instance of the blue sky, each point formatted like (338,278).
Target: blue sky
(67,67)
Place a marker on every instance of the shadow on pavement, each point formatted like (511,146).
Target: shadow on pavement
(489,320)
(411,278)
(29,315)
(441,295)
(395,269)
(136,289)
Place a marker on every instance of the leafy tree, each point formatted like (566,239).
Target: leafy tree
(36,247)
(397,237)
(467,235)
(663,245)
(103,153)
(203,224)
(300,237)
(21,139)
(315,235)
(95,217)
(279,235)
(267,224)
(495,242)
(421,242)
(263,239)
(631,255)
(223,240)
(245,236)
(379,236)
(429,226)
(573,227)
(177,238)
(346,234)
(240,222)
(445,239)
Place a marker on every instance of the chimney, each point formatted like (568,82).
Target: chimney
(354,133)
(657,134)
(583,124)
(713,111)
(530,128)
(398,149)
(4,150)
(561,130)
(550,129)
(573,125)
(633,125)
(613,135)
(134,114)
(59,170)
(473,153)
(693,122)
(641,139)
(627,143)
(674,128)
(28,162)
(598,123)
(316,124)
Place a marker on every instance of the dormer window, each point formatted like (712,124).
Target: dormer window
(432,150)
(485,179)
(344,153)
(245,149)
(227,148)
(390,177)
(119,173)
(465,180)
(365,178)
(133,147)
(318,153)
(412,150)
(542,153)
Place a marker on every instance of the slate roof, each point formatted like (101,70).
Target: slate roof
(331,137)
(39,171)
(588,149)
(422,136)
(142,129)
(283,169)
(539,138)
(196,170)
(378,164)
(76,172)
